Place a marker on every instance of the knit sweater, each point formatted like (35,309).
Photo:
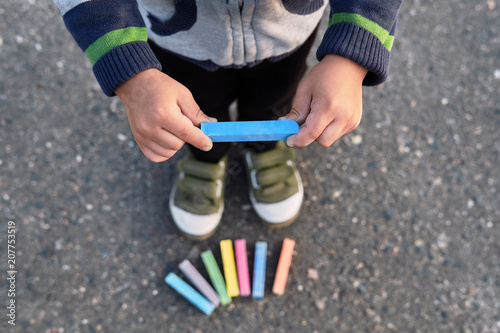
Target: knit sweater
(226,33)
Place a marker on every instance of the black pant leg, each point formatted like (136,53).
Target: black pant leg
(266,91)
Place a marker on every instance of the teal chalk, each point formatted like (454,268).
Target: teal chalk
(239,131)
(189,293)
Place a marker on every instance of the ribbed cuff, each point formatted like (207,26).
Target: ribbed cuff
(359,45)
(123,62)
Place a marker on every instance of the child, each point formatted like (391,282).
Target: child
(177,63)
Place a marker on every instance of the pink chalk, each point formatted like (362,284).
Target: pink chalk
(240,249)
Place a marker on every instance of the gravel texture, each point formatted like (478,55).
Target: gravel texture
(401,221)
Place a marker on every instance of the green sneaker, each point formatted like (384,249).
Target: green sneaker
(197,197)
(276,189)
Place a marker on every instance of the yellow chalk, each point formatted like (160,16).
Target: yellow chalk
(283,266)
(227,253)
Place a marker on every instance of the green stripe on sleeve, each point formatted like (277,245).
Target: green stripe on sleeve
(113,39)
(381,33)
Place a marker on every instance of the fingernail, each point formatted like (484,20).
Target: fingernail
(207,148)
(289,142)
(211,119)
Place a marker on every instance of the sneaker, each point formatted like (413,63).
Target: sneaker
(197,197)
(276,189)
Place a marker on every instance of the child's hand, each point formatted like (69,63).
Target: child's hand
(162,115)
(328,102)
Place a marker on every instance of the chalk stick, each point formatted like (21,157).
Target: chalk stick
(216,276)
(283,266)
(259,269)
(238,131)
(189,293)
(240,249)
(227,253)
(199,282)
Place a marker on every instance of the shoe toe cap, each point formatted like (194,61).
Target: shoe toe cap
(279,212)
(196,225)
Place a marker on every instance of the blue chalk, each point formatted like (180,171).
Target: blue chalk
(259,269)
(238,131)
(189,293)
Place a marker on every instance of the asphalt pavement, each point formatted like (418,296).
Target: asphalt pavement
(399,230)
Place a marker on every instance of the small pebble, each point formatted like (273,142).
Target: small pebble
(312,274)
(356,140)
(496,73)
(388,214)
(442,241)
(419,243)
(246,207)
(121,137)
(320,304)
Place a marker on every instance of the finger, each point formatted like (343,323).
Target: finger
(151,155)
(160,150)
(313,127)
(300,108)
(167,140)
(192,111)
(184,129)
(331,133)
(295,115)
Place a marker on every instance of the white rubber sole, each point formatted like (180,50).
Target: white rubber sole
(193,225)
(280,214)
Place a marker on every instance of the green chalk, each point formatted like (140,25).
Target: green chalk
(215,276)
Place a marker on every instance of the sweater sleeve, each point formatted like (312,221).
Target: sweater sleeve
(113,36)
(363,31)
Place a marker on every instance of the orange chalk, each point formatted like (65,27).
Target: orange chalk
(283,266)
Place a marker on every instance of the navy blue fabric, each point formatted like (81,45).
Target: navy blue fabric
(92,19)
(302,7)
(123,62)
(392,32)
(183,19)
(359,45)
(383,12)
